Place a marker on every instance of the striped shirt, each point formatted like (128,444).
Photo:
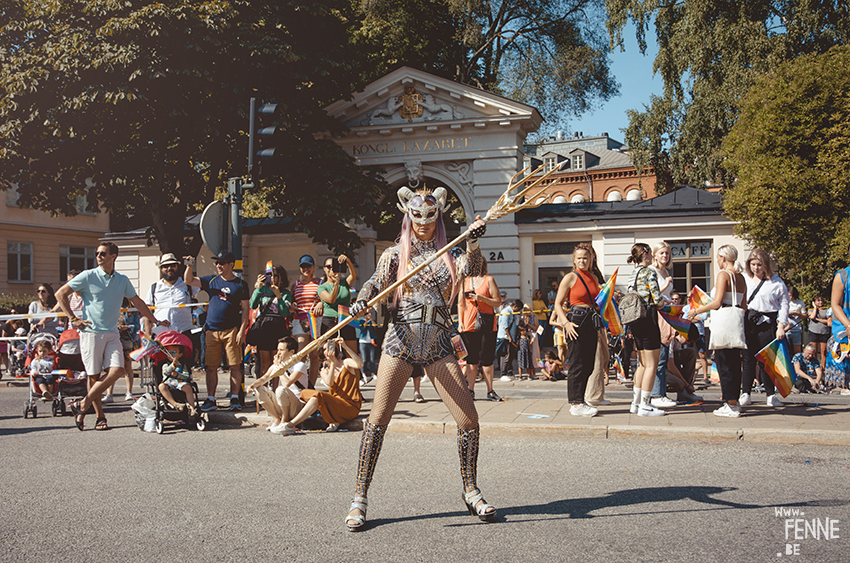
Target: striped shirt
(306,295)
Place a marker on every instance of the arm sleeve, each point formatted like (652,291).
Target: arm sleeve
(784,301)
(255,298)
(129,290)
(79,281)
(385,274)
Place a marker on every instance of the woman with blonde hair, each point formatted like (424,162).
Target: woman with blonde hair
(727,293)
(662,262)
(767,316)
(645,331)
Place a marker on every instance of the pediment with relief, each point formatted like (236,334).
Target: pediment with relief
(408,96)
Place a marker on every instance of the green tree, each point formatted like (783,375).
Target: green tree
(549,53)
(789,152)
(709,53)
(149,100)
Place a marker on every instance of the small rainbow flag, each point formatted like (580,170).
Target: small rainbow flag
(314,325)
(343,314)
(698,298)
(618,364)
(269,267)
(675,310)
(149,346)
(681,325)
(608,306)
(777,364)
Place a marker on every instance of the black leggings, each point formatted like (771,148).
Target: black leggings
(728,364)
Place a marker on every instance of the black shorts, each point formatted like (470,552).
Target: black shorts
(818,338)
(271,333)
(347,332)
(645,331)
(480,347)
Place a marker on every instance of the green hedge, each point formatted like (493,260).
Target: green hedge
(18,301)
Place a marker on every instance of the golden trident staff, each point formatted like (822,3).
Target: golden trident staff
(505,205)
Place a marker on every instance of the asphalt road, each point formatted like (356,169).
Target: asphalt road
(240,493)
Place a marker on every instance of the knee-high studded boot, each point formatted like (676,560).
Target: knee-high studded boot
(370,448)
(467,445)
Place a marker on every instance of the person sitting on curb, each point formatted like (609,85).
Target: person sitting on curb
(285,402)
(808,369)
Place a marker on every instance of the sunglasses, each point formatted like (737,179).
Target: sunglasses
(41,291)
(221,263)
(328,266)
(101,253)
(167,266)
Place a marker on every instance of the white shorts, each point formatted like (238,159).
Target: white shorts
(100,351)
(298,328)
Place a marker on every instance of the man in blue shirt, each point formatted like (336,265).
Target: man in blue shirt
(226,326)
(102,290)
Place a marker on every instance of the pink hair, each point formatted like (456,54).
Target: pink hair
(404,243)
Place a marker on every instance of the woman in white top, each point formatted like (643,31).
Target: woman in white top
(662,262)
(727,293)
(767,317)
(44,304)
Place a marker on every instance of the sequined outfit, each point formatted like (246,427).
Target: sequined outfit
(420,330)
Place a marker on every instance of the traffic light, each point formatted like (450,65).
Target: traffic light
(260,135)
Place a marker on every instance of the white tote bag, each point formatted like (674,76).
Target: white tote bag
(727,325)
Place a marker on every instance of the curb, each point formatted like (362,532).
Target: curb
(492,429)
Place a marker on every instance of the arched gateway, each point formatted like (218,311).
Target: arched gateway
(426,130)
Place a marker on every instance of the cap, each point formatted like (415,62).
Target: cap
(21,331)
(306,259)
(168,258)
(224,256)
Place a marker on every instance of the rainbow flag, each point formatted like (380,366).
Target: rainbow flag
(269,267)
(777,364)
(675,310)
(618,364)
(698,298)
(608,306)
(343,313)
(715,375)
(149,346)
(678,323)
(314,325)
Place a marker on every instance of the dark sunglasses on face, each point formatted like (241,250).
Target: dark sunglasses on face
(100,253)
(220,263)
(42,291)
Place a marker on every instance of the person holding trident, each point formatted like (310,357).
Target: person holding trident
(420,334)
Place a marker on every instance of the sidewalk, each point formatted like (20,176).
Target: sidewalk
(540,408)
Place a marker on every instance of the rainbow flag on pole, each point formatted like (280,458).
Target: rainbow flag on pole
(777,364)
(149,346)
(608,306)
(343,313)
(698,298)
(682,326)
(314,325)
(618,364)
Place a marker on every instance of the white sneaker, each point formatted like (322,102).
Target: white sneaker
(744,400)
(583,410)
(600,403)
(107,399)
(506,378)
(729,411)
(662,402)
(283,428)
(633,408)
(773,401)
(332,427)
(129,397)
(650,411)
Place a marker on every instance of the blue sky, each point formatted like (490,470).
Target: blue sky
(634,73)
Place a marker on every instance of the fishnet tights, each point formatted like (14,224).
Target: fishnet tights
(446,376)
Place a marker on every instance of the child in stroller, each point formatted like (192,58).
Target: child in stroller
(177,377)
(41,369)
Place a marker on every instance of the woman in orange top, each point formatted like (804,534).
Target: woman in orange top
(480,293)
(578,288)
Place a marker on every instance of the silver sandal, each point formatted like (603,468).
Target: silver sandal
(472,498)
(357,503)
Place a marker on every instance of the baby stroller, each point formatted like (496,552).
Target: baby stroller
(152,377)
(72,380)
(30,407)
(18,354)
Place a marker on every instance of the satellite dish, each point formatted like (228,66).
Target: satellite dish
(214,226)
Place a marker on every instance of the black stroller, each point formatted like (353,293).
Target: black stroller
(152,377)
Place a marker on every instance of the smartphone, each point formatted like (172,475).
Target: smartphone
(268,280)
(338,267)
(468,294)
